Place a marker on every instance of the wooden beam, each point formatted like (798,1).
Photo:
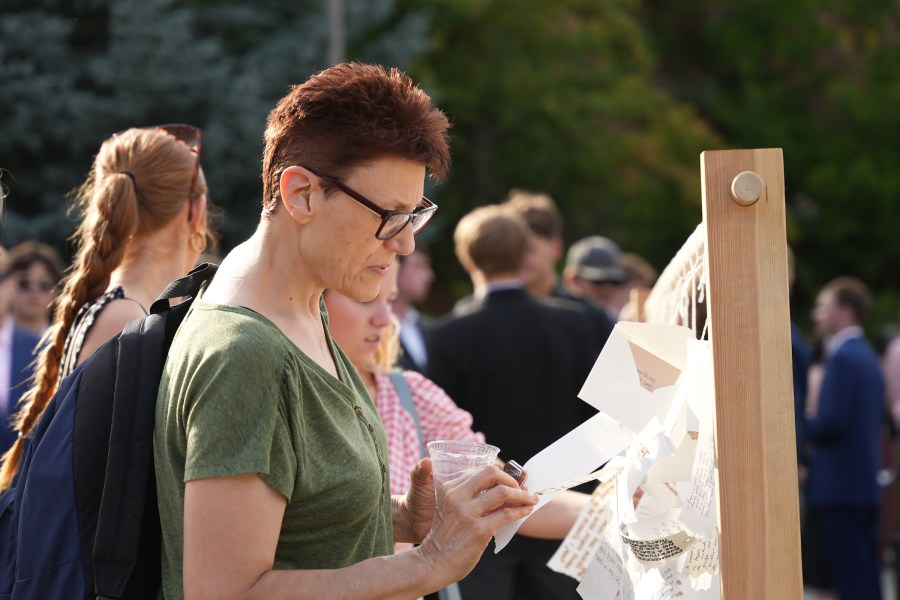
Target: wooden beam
(750,335)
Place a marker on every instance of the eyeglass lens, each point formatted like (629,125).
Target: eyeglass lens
(396,223)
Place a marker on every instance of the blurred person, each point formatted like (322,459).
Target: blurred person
(594,272)
(16,354)
(368,333)
(36,269)
(639,279)
(516,364)
(842,489)
(143,223)
(543,218)
(271,461)
(801,363)
(413,284)
(540,277)
(892,376)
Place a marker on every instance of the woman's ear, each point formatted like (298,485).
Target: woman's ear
(197,215)
(297,185)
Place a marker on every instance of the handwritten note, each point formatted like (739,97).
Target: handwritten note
(653,371)
(580,545)
(699,514)
(702,557)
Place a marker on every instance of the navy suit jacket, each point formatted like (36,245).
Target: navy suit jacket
(801,359)
(844,434)
(23,346)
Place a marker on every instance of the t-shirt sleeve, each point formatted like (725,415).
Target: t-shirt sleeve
(235,413)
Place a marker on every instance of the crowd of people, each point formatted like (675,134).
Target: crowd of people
(301,389)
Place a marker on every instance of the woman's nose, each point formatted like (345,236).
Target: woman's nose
(404,242)
(381,317)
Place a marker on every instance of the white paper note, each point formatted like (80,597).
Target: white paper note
(574,455)
(576,551)
(700,510)
(634,376)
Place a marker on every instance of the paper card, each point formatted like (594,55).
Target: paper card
(702,396)
(606,576)
(653,371)
(666,582)
(574,455)
(702,557)
(634,376)
(677,467)
(656,499)
(580,545)
(661,548)
(700,510)
(677,421)
(601,580)
(647,449)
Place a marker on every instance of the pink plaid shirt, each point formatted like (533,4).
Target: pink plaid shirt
(439,418)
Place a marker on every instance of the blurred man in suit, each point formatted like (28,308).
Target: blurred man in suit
(842,489)
(413,284)
(516,364)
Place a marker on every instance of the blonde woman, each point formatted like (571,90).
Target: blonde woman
(143,223)
(369,333)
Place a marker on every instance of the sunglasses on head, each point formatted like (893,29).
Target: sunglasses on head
(190,136)
(43,285)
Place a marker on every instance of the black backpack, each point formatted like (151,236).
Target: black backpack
(82,520)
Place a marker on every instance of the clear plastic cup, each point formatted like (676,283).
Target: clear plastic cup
(453,459)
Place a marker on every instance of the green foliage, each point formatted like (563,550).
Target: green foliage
(560,97)
(76,71)
(604,105)
(816,78)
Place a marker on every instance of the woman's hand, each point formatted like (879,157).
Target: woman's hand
(471,509)
(415,510)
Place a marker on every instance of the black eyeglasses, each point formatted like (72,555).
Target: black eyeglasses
(43,285)
(392,221)
(190,136)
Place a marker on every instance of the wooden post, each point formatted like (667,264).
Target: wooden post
(750,335)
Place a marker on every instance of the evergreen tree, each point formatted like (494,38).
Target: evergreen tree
(76,71)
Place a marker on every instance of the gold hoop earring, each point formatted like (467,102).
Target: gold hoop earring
(197,241)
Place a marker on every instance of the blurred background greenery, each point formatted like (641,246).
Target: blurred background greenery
(605,105)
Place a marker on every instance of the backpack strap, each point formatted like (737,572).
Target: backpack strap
(189,285)
(142,349)
(406,401)
(451,592)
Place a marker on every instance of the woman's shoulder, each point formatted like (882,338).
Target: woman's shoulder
(100,322)
(235,330)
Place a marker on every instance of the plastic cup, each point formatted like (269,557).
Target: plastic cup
(453,459)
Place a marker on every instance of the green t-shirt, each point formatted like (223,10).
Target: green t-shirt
(236,397)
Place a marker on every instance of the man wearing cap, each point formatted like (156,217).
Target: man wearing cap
(593,272)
